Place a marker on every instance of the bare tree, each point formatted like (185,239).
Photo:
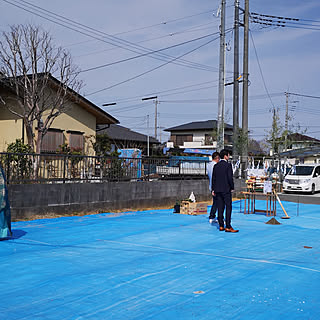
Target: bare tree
(40,79)
(278,137)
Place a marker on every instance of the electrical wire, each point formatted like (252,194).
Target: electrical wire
(145,54)
(147,27)
(193,29)
(132,107)
(280,21)
(151,70)
(287,19)
(260,69)
(215,100)
(83,29)
(165,22)
(303,95)
(168,90)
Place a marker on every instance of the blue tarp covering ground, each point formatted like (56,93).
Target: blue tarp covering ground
(159,265)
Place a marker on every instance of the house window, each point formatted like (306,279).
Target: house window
(76,140)
(173,138)
(227,139)
(208,139)
(182,138)
(52,140)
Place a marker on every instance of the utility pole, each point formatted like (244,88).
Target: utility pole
(156,102)
(220,126)
(155,118)
(286,121)
(245,84)
(235,80)
(273,137)
(148,138)
(159,127)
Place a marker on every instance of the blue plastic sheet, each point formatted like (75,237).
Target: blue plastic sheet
(159,265)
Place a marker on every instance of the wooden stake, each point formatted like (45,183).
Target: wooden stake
(285,212)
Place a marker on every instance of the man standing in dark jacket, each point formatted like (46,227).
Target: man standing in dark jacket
(222,186)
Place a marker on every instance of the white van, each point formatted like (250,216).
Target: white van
(303,178)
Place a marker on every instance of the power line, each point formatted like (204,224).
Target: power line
(282,18)
(151,70)
(280,21)
(147,27)
(147,53)
(214,100)
(303,95)
(287,26)
(192,29)
(166,22)
(169,90)
(261,73)
(88,31)
(132,107)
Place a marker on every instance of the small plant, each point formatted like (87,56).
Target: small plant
(18,161)
(74,155)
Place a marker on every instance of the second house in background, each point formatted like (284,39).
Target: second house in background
(199,134)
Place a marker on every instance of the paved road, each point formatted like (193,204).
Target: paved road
(300,197)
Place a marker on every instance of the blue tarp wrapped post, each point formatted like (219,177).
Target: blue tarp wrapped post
(5,214)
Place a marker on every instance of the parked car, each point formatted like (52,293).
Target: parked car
(303,178)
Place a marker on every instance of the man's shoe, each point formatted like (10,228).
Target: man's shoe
(230,230)
(221,228)
(210,220)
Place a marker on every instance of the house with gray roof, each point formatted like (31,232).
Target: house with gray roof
(301,149)
(198,135)
(125,138)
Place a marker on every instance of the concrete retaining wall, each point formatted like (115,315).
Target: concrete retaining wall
(69,198)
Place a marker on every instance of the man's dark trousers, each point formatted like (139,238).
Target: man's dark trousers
(224,201)
(213,208)
(222,184)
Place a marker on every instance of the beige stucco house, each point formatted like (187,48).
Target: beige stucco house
(75,127)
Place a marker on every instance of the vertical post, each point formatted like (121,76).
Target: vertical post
(22,133)
(245,84)
(148,139)
(155,118)
(235,80)
(220,126)
(159,126)
(155,98)
(64,168)
(286,121)
(273,138)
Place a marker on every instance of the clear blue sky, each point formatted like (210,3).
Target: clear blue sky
(288,57)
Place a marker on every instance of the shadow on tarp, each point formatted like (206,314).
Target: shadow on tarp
(16,234)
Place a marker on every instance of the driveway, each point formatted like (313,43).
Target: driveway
(301,197)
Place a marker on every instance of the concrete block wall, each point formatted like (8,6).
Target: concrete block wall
(68,198)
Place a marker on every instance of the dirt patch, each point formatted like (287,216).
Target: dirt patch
(80,214)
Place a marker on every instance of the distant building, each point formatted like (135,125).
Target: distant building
(301,149)
(124,138)
(298,141)
(198,135)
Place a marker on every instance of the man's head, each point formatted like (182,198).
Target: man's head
(224,154)
(216,156)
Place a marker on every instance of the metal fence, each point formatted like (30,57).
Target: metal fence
(61,168)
